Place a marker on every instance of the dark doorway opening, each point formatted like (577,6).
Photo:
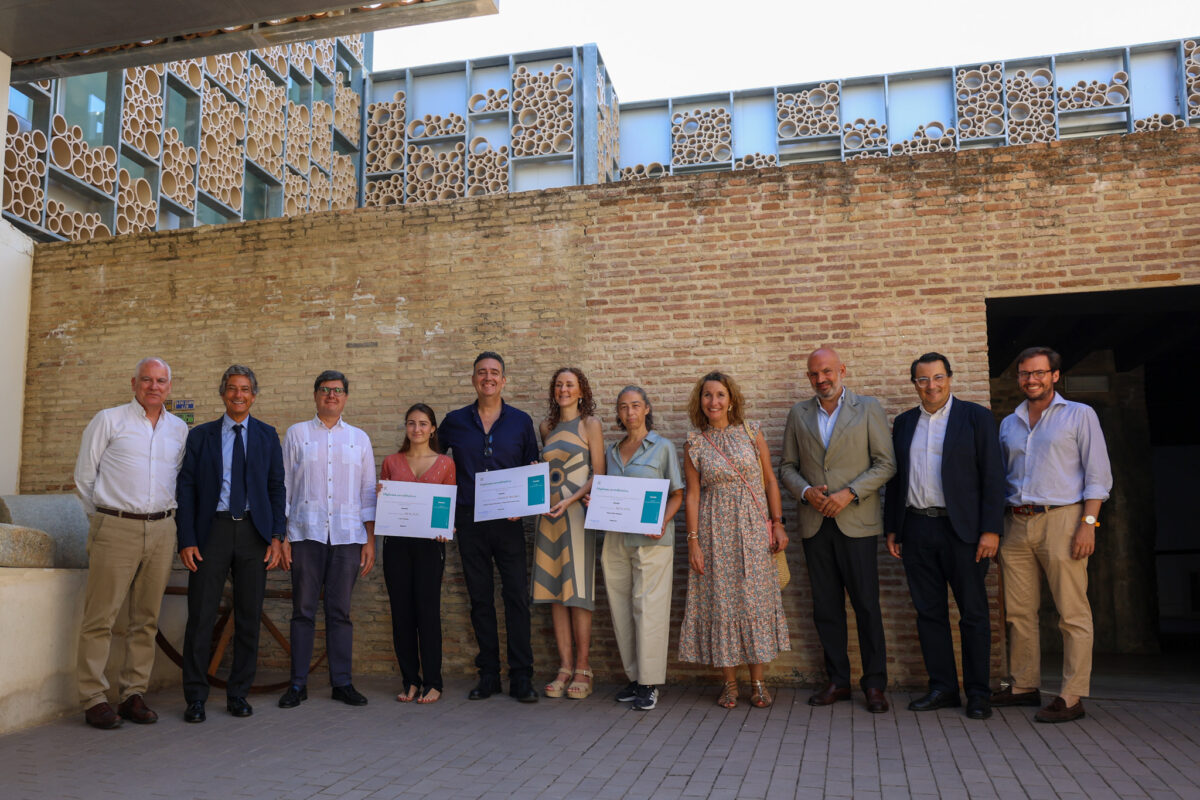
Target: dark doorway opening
(1134,356)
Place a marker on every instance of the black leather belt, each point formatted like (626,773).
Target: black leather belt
(157,515)
(932,511)
(229,515)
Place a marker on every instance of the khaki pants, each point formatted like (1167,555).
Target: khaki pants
(1043,541)
(127,558)
(638,582)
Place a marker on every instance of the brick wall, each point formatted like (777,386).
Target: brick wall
(651,283)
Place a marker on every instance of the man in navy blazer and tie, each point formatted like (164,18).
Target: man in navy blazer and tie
(943,512)
(230,493)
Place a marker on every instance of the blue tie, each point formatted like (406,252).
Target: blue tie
(237,475)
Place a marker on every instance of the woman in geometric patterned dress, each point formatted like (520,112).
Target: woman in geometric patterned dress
(734,613)
(564,564)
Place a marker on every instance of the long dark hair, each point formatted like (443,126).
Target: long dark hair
(434,445)
(587,405)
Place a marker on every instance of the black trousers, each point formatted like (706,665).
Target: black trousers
(234,549)
(935,557)
(412,571)
(839,565)
(334,568)
(500,542)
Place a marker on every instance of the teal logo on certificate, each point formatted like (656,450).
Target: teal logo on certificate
(537,490)
(441,513)
(650,507)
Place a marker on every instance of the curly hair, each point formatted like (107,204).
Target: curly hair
(737,403)
(587,405)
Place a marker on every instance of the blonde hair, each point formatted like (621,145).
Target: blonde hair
(737,403)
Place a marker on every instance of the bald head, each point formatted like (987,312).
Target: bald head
(825,373)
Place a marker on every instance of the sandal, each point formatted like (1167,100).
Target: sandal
(580,689)
(431,695)
(408,695)
(729,695)
(555,687)
(759,696)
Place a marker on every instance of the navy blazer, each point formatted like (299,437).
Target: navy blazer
(198,487)
(972,472)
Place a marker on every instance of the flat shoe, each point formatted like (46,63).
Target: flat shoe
(1006,697)
(408,695)
(431,695)
(1057,711)
(759,696)
(729,695)
(102,716)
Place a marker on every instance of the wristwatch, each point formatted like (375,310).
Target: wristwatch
(1091,520)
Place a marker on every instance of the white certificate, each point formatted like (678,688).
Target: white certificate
(516,492)
(419,510)
(627,505)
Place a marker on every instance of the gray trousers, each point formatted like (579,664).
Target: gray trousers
(334,567)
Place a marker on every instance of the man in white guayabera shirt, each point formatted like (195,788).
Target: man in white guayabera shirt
(125,475)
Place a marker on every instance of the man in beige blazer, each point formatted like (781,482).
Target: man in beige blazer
(837,455)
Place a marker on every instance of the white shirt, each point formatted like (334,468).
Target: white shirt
(1060,461)
(127,463)
(925,458)
(330,478)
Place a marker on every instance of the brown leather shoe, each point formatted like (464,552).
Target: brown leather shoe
(102,716)
(134,709)
(1057,711)
(1005,697)
(830,695)
(876,701)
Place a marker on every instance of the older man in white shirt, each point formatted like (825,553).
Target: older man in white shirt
(125,476)
(329,470)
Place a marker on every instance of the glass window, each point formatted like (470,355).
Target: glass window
(205,215)
(82,103)
(20,104)
(182,115)
(256,203)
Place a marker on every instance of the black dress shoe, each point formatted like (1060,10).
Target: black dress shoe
(294,696)
(979,707)
(102,716)
(936,699)
(238,707)
(522,689)
(830,695)
(487,686)
(349,695)
(876,701)
(195,712)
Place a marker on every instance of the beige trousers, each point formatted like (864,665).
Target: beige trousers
(1042,542)
(638,582)
(126,558)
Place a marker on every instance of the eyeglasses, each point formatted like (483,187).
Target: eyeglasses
(1023,375)
(336,391)
(923,382)
(487,446)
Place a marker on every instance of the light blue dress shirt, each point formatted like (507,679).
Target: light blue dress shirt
(1060,461)
(227,458)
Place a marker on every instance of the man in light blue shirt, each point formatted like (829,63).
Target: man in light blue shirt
(1057,476)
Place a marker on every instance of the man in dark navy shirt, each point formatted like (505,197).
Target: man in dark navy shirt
(486,435)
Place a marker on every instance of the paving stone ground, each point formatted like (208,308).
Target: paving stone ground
(686,748)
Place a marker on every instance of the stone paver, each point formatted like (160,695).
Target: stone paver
(686,748)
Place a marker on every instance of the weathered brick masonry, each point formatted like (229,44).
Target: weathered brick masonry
(650,283)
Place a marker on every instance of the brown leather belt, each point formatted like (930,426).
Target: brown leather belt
(1029,510)
(157,515)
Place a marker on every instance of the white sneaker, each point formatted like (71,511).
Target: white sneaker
(647,698)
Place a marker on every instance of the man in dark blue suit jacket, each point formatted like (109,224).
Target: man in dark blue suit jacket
(230,521)
(943,513)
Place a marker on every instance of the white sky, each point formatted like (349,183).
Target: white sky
(672,48)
